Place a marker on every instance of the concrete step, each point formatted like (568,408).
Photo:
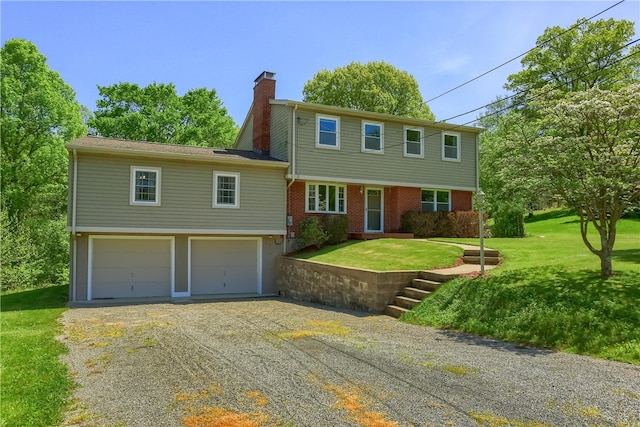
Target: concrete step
(436,277)
(490,260)
(405,302)
(476,252)
(395,311)
(415,293)
(425,285)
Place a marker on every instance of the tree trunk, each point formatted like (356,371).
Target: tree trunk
(605,264)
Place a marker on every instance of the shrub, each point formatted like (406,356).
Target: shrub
(336,227)
(311,233)
(441,224)
(508,222)
(22,266)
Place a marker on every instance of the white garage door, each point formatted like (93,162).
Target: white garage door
(130,267)
(224,266)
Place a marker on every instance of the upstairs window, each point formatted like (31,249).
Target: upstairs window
(145,186)
(372,137)
(451,146)
(413,142)
(225,190)
(436,200)
(328,132)
(328,198)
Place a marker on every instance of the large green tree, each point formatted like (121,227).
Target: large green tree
(38,114)
(375,86)
(589,150)
(582,56)
(157,113)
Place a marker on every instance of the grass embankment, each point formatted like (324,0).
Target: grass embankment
(387,254)
(34,383)
(549,293)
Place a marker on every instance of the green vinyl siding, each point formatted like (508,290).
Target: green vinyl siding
(349,163)
(186,196)
(280,129)
(245,138)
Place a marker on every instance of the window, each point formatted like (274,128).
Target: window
(372,137)
(413,142)
(451,146)
(226,189)
(326,198)
(328,132)
(436,200)
(145,186)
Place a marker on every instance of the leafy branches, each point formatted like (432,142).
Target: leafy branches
(156,113)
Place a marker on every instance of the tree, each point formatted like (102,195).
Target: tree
(375,86)
(588,55)
(38,114)
(590,151)
(157,113)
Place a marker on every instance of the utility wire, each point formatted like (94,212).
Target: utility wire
(522,54)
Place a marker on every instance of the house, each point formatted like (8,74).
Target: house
(371,167)
(160,220)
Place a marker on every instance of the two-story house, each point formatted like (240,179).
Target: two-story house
(161,220)
(371,167)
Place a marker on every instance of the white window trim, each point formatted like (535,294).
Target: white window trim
(458,147)
(337,120)
(404,141)
(435,198)
(306,198)
(132,185)
(364,136)
(215,203)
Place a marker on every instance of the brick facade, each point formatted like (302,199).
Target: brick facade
(461,200)
(397,200)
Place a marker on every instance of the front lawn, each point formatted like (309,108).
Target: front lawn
(549,293)
(34,384)
(387,254)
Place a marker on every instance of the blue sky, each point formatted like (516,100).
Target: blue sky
(226,45)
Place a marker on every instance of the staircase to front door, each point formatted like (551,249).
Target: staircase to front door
(429,281)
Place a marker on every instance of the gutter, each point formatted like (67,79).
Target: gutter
(74,234)
(293,173)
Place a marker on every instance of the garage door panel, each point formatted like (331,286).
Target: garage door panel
(224,266)
(128,267)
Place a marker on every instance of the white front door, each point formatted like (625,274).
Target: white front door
(374,211)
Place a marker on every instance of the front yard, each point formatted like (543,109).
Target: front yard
(387,254)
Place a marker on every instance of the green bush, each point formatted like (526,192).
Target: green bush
(311,233)
(440,224)
(336,227)
(508,222)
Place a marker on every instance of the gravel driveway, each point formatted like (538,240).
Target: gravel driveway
(276,362)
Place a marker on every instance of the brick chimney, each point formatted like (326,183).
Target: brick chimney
(263,91)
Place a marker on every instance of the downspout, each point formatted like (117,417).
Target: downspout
(293,169)
(74,270)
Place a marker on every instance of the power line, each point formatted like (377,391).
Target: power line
(522,54)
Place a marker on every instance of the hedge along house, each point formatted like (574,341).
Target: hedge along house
(159,220)
(371,167)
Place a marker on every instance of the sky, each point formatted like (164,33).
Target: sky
(226,45)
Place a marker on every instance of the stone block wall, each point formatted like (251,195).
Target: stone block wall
(345,287)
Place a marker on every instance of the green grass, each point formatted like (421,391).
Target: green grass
(35,385)
(387,254)
(549,293)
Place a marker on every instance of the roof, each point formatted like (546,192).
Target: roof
(330,109)
(102,145)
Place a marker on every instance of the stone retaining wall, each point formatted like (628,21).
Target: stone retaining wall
(345,287)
